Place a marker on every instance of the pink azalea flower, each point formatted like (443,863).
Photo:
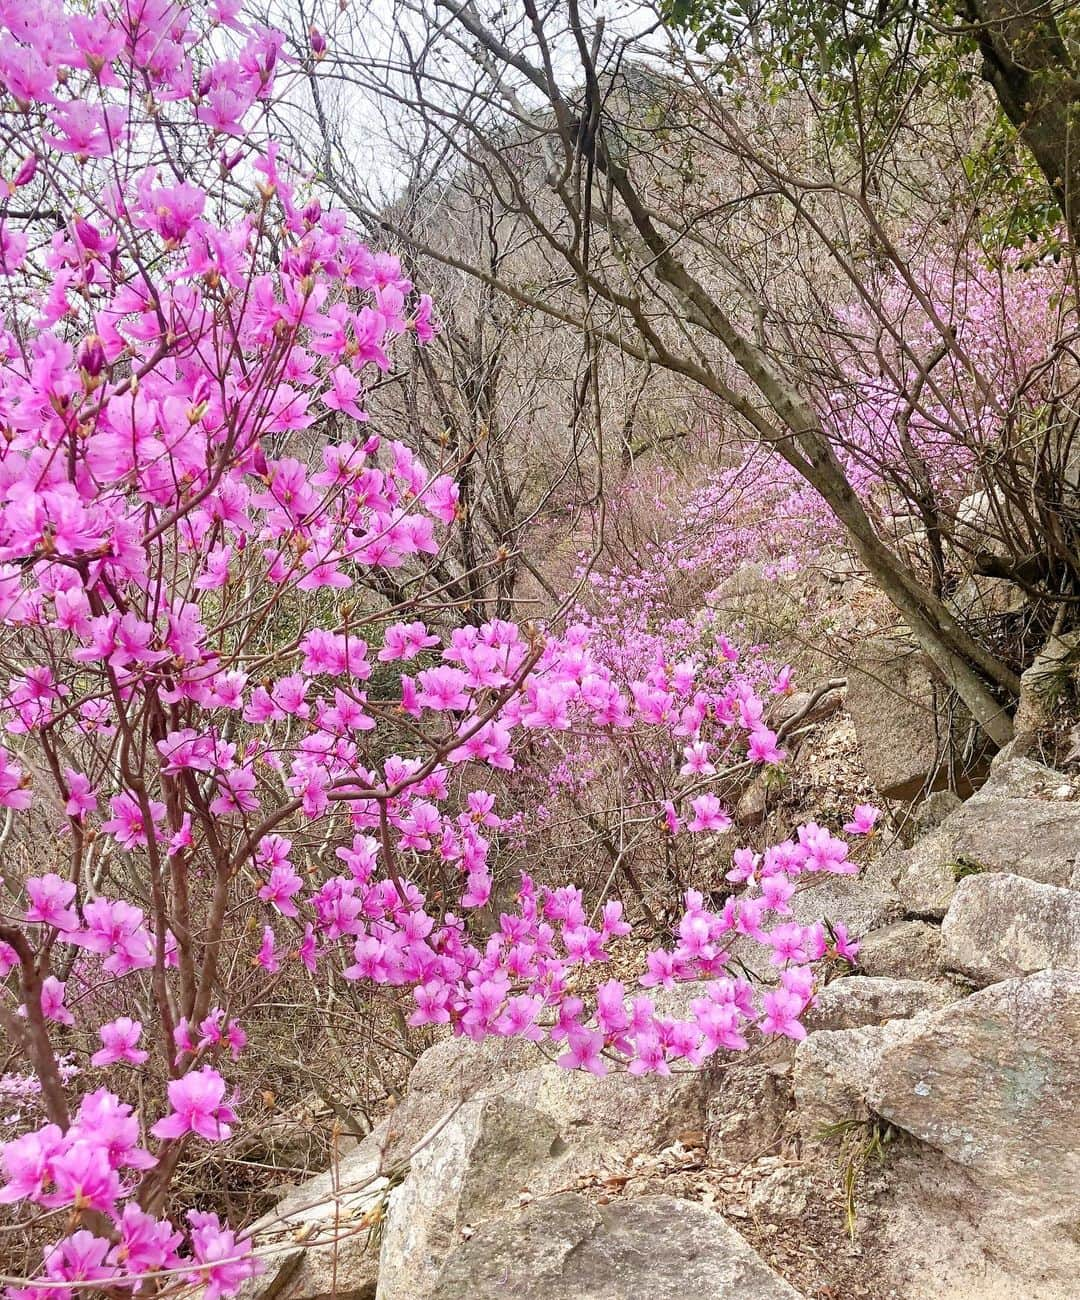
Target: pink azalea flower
(432,1004)
(307,951)
(145,1244)
(50,898)
(119,1038)
(87,130)
(52,1001)
(443,688)
(709,814)
(80,1258)
(80,800)
(344,390)
(696,760)
(863,820)
(844,946)
(584,1048)
(28,1163)
(222,1262)
(423,324)
(782,681)
(649,1056)
(762,747)
(282,887)
(782,1009)
(267,957)
(127,823)
(198,1106)
(84,1178)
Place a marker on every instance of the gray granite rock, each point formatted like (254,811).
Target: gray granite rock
(999,927)
(566,1248)
(857,1000)
(902,950)
(993,1082)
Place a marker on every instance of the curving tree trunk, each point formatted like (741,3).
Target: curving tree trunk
(1027,61)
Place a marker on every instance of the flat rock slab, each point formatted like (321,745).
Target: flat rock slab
(565,1248)
(1000,927)
(1038,839)
(858,1000)
(1035,838)
(905,949)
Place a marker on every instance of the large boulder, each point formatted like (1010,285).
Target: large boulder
(1038,838)
(498,1123)
(325,1235)
(993,1083)
(934,809)
(999,927)
(833,1070)
(619,1109)
(892,697)
(618,1113)
(783,709)
(926,880)
(473,1166)
(478,1123)
(746,1115)
(1051,675)
(982,524)
(566,1248)
(322,1239)
(1016,777)
(450,1073)
(862,903)
(981,599)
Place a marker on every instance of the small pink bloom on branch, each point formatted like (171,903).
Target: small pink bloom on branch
(120,1037)
(709,814)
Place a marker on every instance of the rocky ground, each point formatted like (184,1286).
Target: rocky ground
(922,1143)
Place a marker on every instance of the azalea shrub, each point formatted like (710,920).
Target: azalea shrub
(226,749)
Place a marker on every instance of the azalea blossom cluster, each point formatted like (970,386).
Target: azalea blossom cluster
(955,350)
(82,1169)
(222,735)
(705,709)
(517,985)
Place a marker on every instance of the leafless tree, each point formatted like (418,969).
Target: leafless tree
(709,233)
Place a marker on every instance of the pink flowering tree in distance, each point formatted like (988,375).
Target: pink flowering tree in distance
(223,749)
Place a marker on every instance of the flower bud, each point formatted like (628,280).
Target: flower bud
(91,356)
(27,171)
(87,235)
